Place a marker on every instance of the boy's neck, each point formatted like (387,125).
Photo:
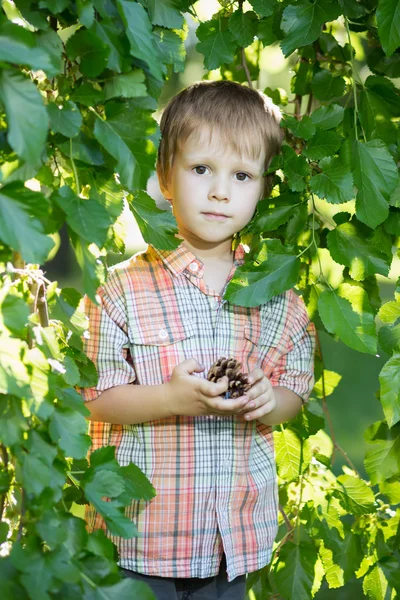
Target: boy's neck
(207,253)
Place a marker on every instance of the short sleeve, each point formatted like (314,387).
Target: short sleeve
(106,342)
(295,368)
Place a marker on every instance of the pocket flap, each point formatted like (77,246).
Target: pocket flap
(161,334)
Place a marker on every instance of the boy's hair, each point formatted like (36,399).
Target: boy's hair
(246,119)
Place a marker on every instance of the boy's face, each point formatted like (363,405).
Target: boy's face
(214,192)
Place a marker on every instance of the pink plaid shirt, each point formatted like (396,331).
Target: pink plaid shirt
(215,477)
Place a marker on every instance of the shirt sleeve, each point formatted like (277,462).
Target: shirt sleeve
(295,368)
(106,342)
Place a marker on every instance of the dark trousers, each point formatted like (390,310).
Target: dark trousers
(210,588)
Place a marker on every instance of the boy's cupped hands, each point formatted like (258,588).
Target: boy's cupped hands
(187,395)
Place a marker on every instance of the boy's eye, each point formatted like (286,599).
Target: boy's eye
(200,169)
(242,176)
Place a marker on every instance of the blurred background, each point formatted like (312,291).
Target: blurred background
(353,405)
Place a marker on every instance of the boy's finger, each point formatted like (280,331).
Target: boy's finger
(189,366)
(211,389)
(255,376)
(228,406)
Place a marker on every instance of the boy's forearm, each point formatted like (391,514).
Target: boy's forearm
(288,406)
(130,404)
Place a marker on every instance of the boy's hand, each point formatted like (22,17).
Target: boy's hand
(191,396)
(261,398)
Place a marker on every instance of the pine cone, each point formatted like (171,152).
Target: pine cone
(238,382)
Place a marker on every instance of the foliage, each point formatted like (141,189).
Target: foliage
(79,83)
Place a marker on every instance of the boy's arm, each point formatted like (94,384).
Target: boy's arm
(288,405)
(277,396)
(184,394)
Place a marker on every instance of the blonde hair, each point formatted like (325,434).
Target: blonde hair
(246,120)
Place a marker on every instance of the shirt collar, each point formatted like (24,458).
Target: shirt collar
(181,259)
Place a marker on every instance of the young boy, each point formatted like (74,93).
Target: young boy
(162,322)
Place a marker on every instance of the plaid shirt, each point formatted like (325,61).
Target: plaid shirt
(215,477)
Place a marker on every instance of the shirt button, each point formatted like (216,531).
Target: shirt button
(194,267)
(215,304)
(163,334)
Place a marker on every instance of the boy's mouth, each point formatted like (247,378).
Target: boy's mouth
(216,216)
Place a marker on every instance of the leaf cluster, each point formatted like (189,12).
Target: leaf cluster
(79,84)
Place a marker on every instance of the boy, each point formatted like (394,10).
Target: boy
(161,324)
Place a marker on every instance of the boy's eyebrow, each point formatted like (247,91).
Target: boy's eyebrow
(207,158)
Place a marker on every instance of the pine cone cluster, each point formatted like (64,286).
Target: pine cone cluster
(238,382)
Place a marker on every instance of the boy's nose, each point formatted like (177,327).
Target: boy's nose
(219,191)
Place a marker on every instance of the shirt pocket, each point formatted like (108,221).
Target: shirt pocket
(157,351)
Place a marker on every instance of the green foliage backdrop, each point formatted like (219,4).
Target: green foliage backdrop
(79,84)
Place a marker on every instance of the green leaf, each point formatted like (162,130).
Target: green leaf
(26,115)
(389,338)
(288,454)
(349,246)
(107,134)
(294,572)
(272,218)
(335,183)
(304,128)
(327,383)
(323,143)
(243,26)
(109,484)
(346,313)
(376,109)
(18,228)
(388,21)
(295,168)
(36,474)
(68,428)
(389,379)
(54,6)
(84,149)
(165,14)
(264,8)
(128,85)
(302,22)
(85,12)
(326,86)
(14,312)
(91,265)
(140,35)
(375,584)
(215,43)
(375,175)
(382,460)
(18,46)
(136,483)
(328,117)
(13,425)
(127,589)
(87,95)
(90,49)
(158,227)
(171,46)
(87,217)
(256,284)
(66,119)
(389,312)
(355,496)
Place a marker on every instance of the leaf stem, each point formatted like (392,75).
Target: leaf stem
(4,458)
(354,82)
(78,189)
(243,54)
